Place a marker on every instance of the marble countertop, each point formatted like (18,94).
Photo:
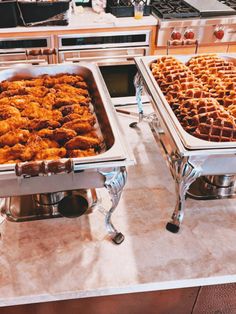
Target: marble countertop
(88,20)
(66,258)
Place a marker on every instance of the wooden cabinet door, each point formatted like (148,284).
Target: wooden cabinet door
(219,299)
(218,48)
(232,48)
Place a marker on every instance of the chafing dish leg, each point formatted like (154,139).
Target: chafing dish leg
(114,183)
(185,174)
(3,217)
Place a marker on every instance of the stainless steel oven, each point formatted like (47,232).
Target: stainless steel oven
(36,50)
(114,52)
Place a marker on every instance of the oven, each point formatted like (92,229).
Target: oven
(114,52)
(18,50)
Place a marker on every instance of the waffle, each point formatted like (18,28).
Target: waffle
(219,130)
(202,94)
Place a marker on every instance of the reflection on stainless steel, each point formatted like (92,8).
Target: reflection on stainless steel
(48,198)
(23,50)
(43,206)
(104,170)
(202,189)
(188,166)
(72,206)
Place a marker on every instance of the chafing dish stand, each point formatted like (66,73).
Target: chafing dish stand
(189,168)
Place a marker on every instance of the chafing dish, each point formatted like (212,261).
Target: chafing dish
(107,169)
(193,162)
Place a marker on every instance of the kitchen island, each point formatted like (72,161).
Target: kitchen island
(62,259)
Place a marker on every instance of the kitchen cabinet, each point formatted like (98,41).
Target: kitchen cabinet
(232,48)
(180,50)
(183,50)
(195,300)
(217,48)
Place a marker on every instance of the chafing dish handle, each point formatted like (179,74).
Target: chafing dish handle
(31,169)
(187,42)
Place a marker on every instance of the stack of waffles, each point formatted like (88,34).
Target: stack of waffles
(202,94)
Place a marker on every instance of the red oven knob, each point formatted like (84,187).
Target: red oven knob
(175,35)
(219,33)
(189,34)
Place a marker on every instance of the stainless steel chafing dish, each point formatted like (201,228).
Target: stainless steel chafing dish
(201,169)
(107,169)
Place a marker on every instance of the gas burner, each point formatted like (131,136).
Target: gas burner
(229,3)
(174,9)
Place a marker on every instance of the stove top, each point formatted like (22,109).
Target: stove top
(168,9)
(230,3)
(210,8)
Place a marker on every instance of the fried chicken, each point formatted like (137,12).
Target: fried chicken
(63,134)
(65,99)
(14,137)
(35,111)
(51,153)
(7,111)
(66,110)
(71,90)
(86,117)
(11,153)
(76,153)
(38,124)
(45,133)
(39,116)
(12,124)
(4,127)
(79,126)
(34,145)
(82,142)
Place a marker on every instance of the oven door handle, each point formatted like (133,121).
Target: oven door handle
(100,60)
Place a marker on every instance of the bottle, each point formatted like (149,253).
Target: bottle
(99,5)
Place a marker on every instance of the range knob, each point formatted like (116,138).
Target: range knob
(189,34)
(176,35)
(219,33)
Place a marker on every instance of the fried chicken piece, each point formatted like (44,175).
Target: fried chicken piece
(37,91)
(82,142)
(38,124)
(34,145)
(71,90)
(87,117)
(49,100)
(45,133)
(4,127)
(17,123)
(6,85)
(13,92)
(76,153)
(51,153)
(63,99)
(35,111)
(70,79)
(66,110)
(63,134)
(37,143)
(8,111)
(12,124)
(14,137)
(81,85)
(8,154)
(79,126)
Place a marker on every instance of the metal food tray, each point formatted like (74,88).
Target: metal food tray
(106,170)
(189,141)
(200,172)
(103,109)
